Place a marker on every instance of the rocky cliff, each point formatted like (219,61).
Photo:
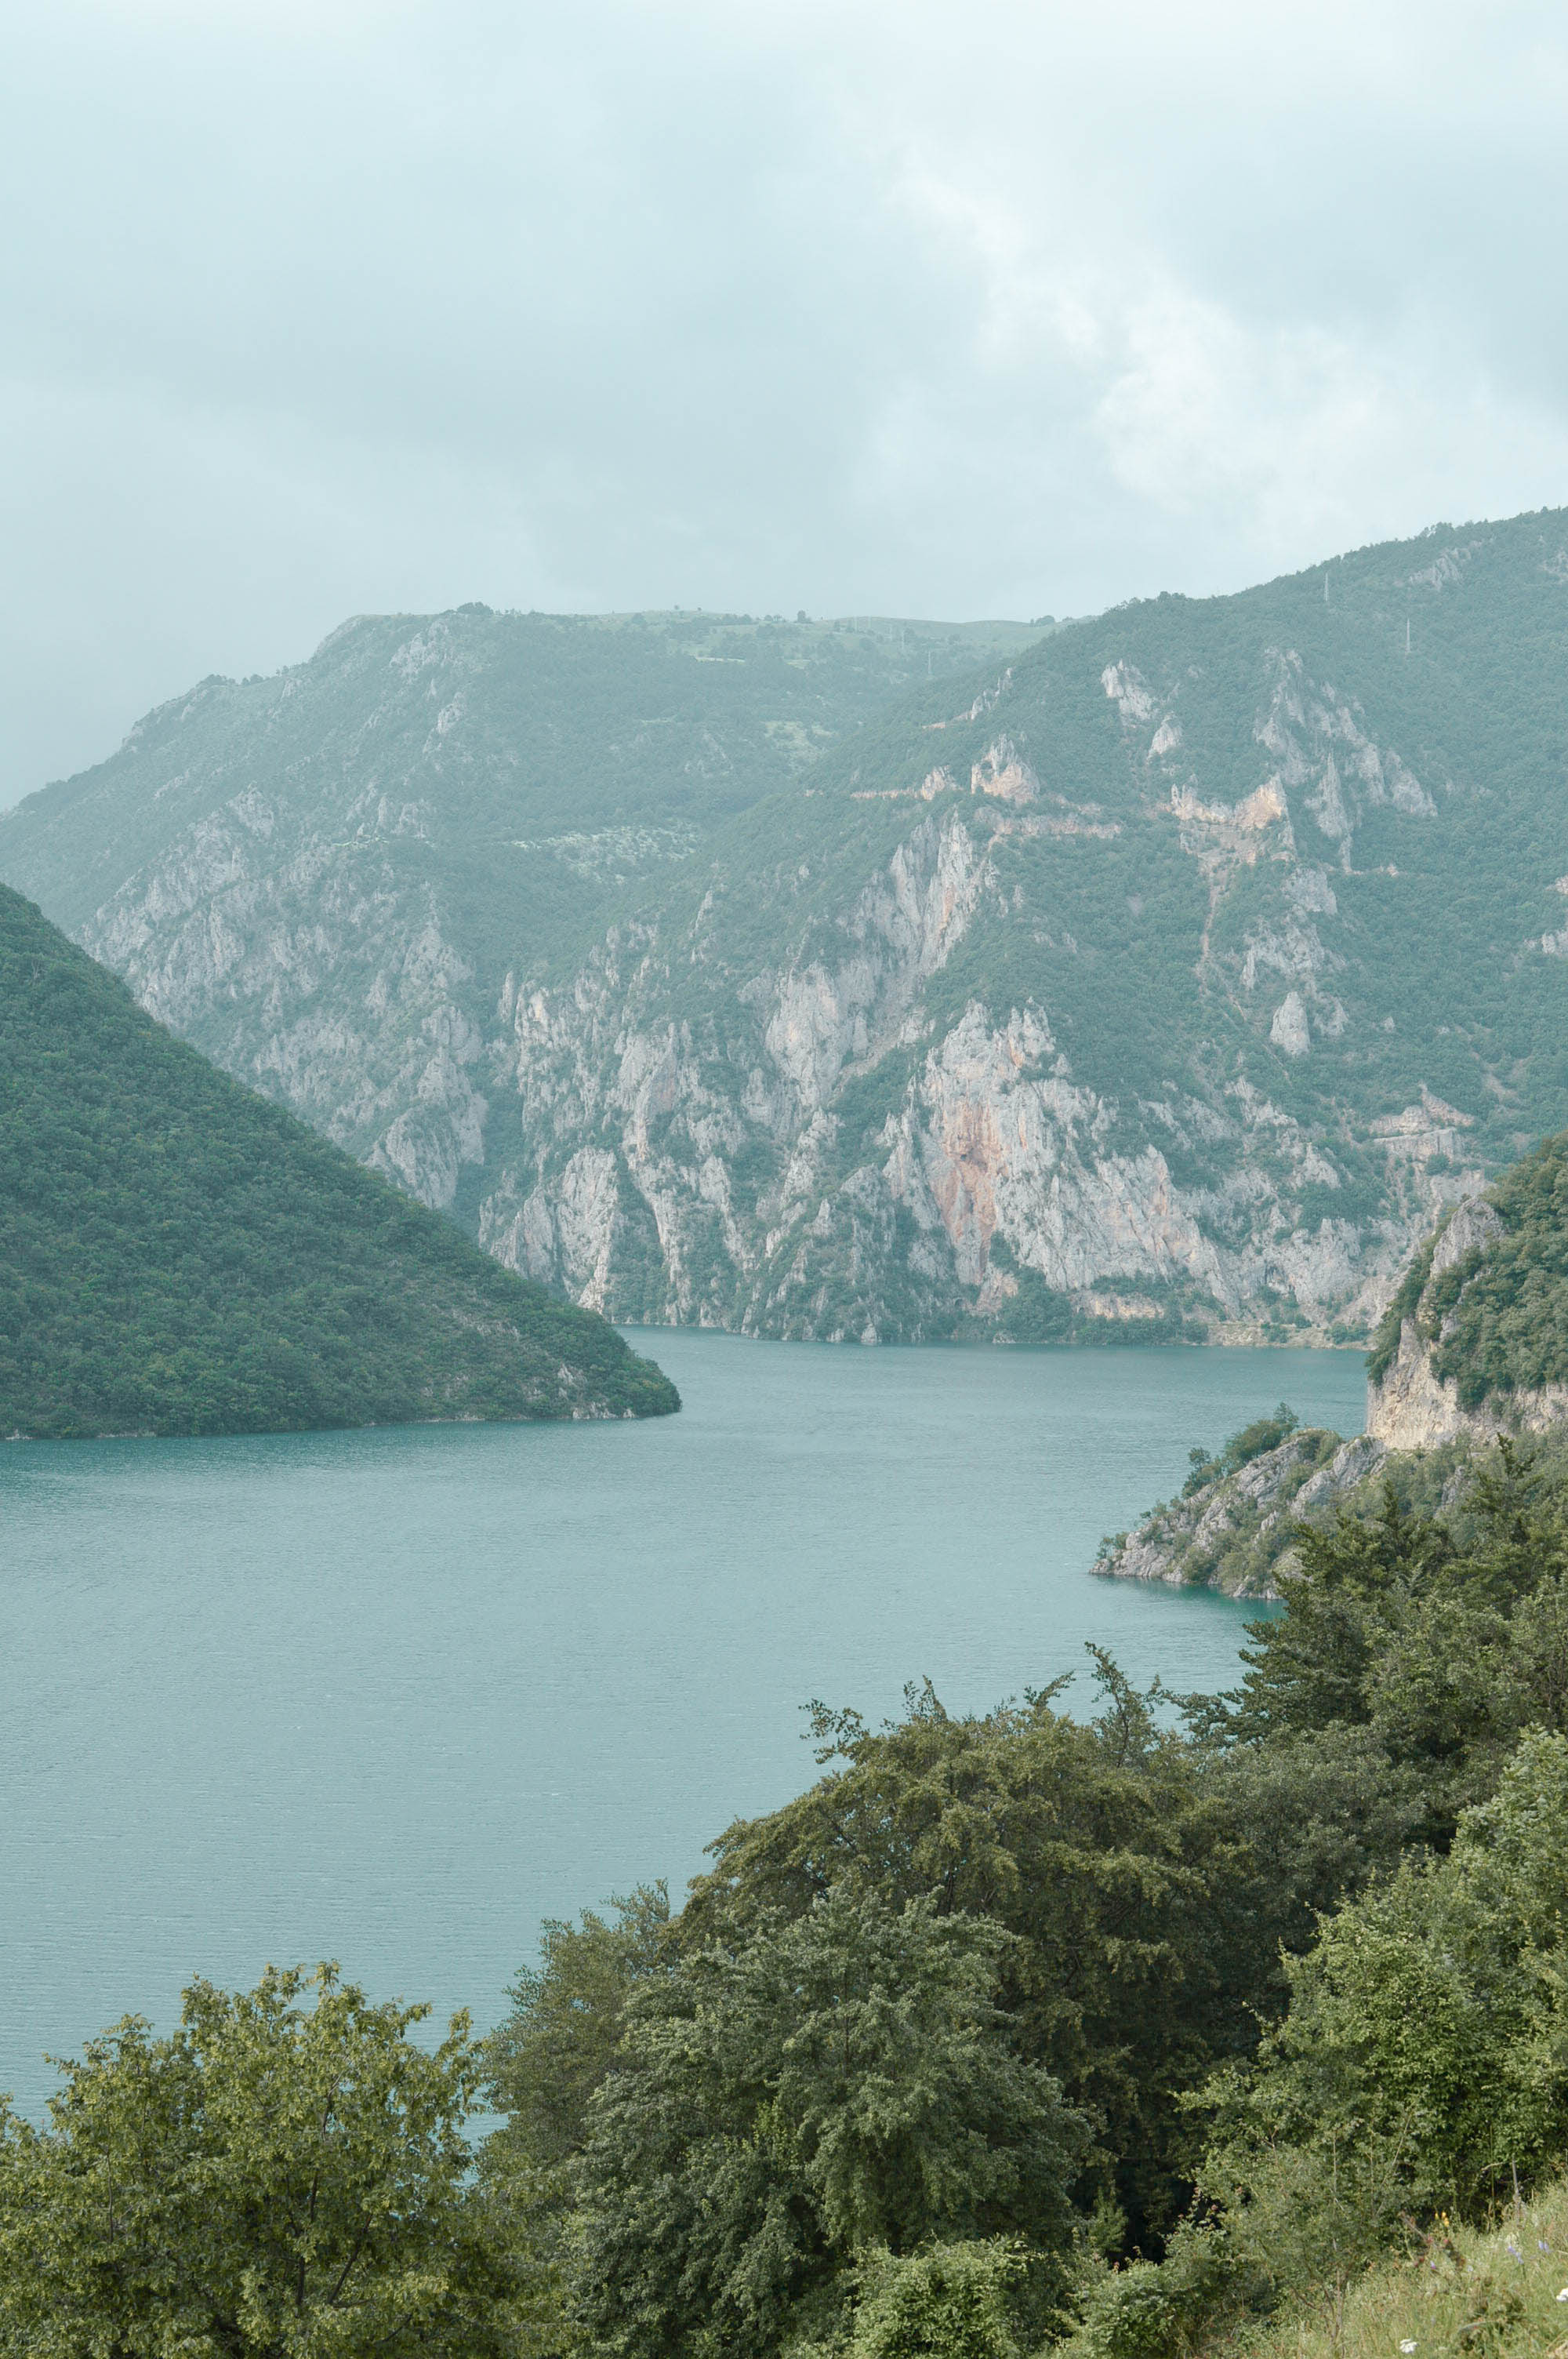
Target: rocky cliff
(1170,975)
(1474,1343)
(1231,1528)
(1473,1349)
(844,1146)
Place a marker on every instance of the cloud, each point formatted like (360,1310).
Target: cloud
(924,309)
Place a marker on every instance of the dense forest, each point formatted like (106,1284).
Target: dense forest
(179,1255)
(1142,2032)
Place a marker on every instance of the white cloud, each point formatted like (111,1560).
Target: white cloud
(992,308)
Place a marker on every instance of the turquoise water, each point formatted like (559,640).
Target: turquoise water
(395,1697)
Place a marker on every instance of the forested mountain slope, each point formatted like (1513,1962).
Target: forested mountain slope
(1474,1343)
(1167,976)
(177,1256)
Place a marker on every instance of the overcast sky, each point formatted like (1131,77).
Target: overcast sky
(314,307)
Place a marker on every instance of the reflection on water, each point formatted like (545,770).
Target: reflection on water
(393,1697)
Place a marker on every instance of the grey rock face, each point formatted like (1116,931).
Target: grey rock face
(1473,1224)
(1412,1407)
(1057,1003)
(1235,1530)
(992,1162)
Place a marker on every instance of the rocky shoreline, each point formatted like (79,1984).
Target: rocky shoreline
(1231,1533)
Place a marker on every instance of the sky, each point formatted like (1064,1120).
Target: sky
(957,307)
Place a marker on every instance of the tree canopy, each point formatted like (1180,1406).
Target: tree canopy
(271,2179)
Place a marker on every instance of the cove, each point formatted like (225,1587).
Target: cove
(393,1697)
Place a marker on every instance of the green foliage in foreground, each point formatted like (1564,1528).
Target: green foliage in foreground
(1492,2294)
(270,2178)
(1291,1966)
(177,1255)
(1135,2036)
(844,2083)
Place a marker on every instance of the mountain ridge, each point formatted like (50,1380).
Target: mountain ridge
(1164,975)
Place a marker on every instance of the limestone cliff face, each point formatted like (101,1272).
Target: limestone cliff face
(1410,1407)
(1070,1000)
(317,975)
(708,1167)
(669,1153)
(1233,1532)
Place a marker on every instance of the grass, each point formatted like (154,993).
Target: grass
(1473,2294)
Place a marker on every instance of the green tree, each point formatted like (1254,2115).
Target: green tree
(270,2180)
(843,2083)
(1424,2058)
(1072,1837)
(1438,1635)
(543,2063)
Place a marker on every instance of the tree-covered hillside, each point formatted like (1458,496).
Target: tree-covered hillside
(1169,973)
(1496,1314)
(177,1255)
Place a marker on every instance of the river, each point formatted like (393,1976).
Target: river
(395,1697)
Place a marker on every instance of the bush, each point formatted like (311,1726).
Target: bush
(949,2301)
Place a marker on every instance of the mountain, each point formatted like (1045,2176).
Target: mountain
(177,1255)
(323,879)
(1166,975)
(1474,1343)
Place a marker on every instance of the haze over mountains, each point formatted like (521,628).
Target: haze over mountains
(1162,974)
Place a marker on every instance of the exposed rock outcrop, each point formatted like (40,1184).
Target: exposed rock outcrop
(991,1166)
(707,975)
(1416,1398)
(1231,1532)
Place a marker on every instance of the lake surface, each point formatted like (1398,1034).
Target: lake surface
(395,1697)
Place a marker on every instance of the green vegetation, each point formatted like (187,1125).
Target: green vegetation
(271,2179)
(1450,2288)
(1264,1434)
(1279,899)
(178,1255)
(1497,1317)
(1501,1315)
(1205,2025)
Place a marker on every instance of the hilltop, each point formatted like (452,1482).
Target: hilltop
(1167,975)
(178,1255)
